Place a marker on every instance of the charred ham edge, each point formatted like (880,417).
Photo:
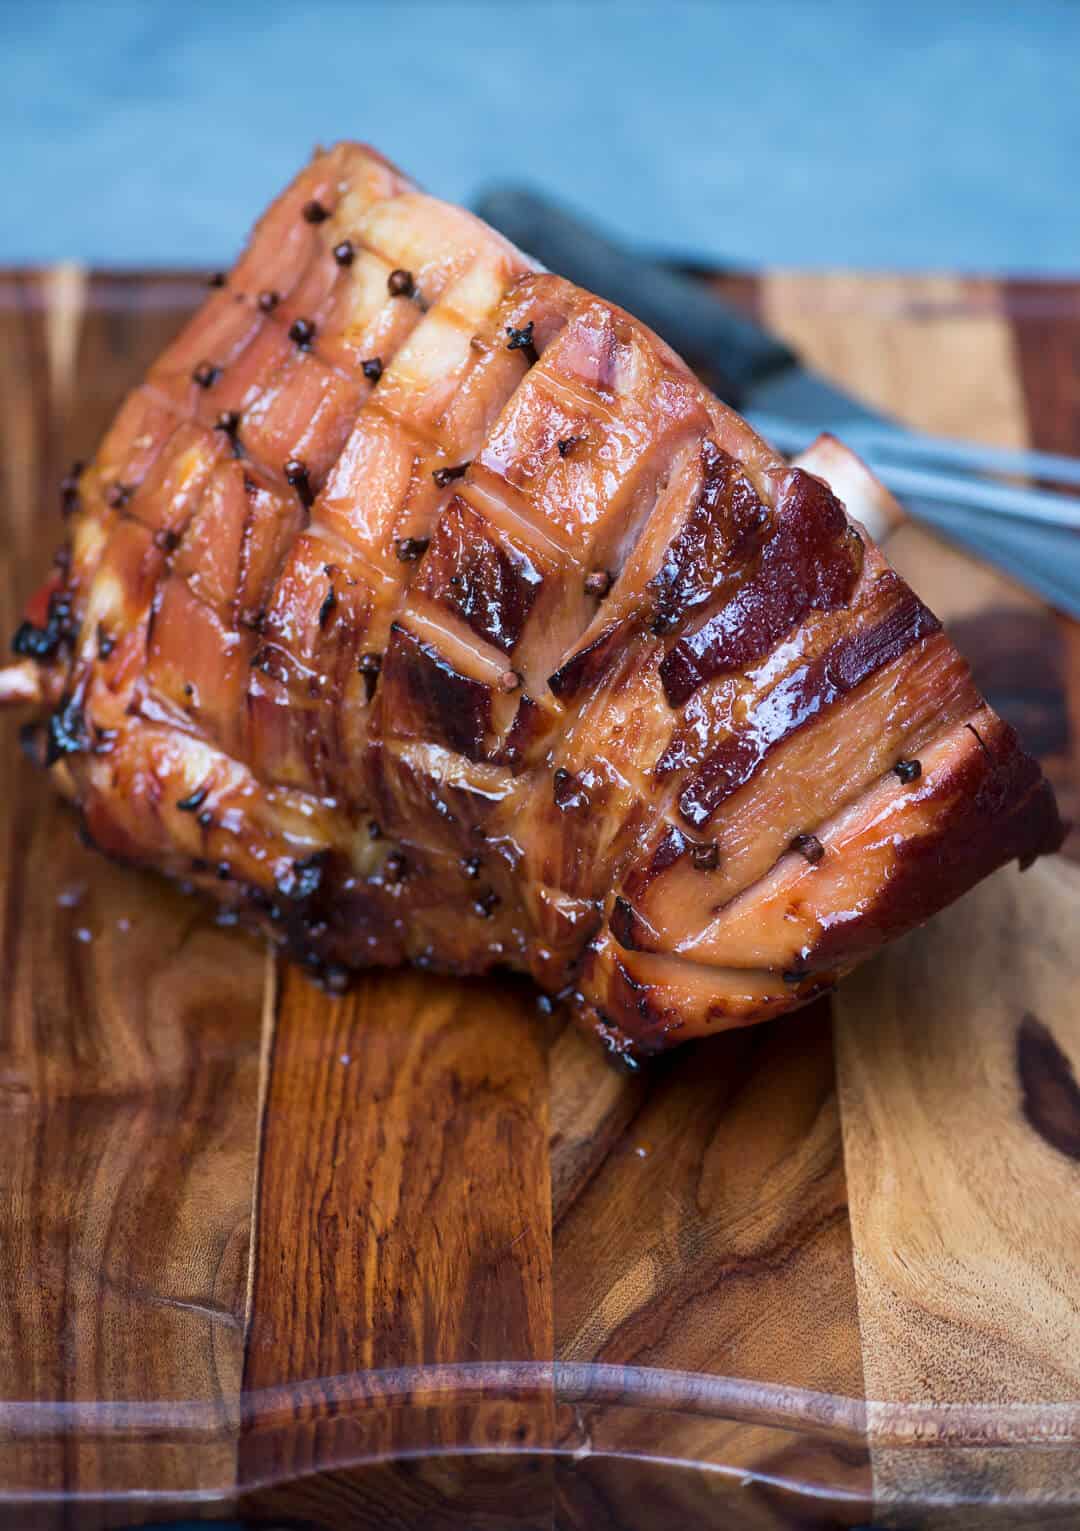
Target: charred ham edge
(564,668)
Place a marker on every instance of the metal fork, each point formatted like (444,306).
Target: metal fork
(957,488)
(949,472)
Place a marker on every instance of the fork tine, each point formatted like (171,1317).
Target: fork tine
(979,493)
(970,455)
(1044,558)
(975,491)
(787,436)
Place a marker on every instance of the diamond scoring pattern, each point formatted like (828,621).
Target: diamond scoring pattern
(371,567)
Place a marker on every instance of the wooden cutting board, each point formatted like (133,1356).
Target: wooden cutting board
(421,1258)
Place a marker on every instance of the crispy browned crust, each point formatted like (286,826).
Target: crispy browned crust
(424,608)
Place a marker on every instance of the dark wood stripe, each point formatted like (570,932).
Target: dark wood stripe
(403,1221)
(1045,322)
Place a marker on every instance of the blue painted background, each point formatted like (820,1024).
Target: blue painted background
(784,131)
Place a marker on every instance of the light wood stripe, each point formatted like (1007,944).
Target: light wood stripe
(963,1215)
(965,1261)
(65,289)
(404,1222)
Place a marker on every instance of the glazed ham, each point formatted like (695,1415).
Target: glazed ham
(425,608)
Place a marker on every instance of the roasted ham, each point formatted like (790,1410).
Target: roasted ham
(426,608)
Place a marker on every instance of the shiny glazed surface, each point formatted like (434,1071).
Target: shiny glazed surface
(426,608)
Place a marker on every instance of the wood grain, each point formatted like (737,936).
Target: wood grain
(701,1227)
(1045,321)
(961,1117)
(966,1270)
(128,1063)
(404,1225)
(490,1281)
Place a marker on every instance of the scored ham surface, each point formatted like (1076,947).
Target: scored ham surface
(428,609)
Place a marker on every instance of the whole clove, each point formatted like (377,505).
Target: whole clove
(809,846)
(444,476)
(522,340)
(907,771)
(400,284)
(296,476)
(69,488)
(486,903)
(327,607)
(409,549)
(302,333)
(118,495)
(706,858)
